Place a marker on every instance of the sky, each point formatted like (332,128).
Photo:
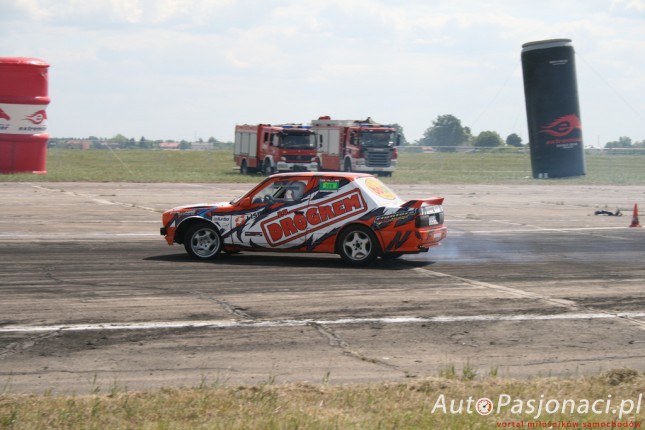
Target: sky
(190,69)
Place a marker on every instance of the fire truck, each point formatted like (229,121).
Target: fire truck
(356,146)
(270,148)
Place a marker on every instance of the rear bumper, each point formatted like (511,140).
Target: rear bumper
(415,241)
(431,237)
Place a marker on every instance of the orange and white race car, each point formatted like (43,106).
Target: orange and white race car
(351,214)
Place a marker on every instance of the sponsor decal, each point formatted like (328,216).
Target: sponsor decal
(378,188)
(223,221)
(289,225)
(37,117)
(243,218)
(22,119)
(384,219)
(562,127)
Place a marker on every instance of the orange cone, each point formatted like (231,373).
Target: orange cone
(635,222)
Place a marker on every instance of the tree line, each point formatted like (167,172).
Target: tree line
(445,134)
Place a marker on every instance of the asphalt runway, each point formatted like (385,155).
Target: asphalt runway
(529,282)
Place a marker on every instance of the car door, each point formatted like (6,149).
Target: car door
(334,202)
(276,221)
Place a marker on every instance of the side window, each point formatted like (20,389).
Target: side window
(281,191)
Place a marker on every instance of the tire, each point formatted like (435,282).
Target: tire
(358,246)
(244,168)
(347,167)
(202,241)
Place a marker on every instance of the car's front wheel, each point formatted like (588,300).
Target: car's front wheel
(358,245)
(203,241)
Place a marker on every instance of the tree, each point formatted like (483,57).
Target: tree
(622,142)
(488,139)
(514,140)
(120,139)
(399,130)
(144,144)
(446,133)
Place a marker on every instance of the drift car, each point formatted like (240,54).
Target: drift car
(351,214)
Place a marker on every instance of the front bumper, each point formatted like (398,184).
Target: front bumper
(360,165)
(282,166)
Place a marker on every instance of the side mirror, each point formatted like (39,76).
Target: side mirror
(398,139)
(244,203)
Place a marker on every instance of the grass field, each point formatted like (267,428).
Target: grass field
(69,165)
(432,403)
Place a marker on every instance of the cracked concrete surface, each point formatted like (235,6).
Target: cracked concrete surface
(529,282)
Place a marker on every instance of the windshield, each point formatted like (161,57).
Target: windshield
(298,141)
(378,139)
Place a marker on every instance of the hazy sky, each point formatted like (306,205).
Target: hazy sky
(185,69)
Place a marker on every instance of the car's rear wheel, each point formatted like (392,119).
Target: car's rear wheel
(202,241)
(358,246)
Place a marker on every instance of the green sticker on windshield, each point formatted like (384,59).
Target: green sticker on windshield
(329,185)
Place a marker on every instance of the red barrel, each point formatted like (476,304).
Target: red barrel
(23,116)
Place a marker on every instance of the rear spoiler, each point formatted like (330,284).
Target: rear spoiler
(415,204)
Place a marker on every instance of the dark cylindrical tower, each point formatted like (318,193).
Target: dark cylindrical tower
(552,109)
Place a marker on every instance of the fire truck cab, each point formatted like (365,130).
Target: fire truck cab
(270,148)
(356,146)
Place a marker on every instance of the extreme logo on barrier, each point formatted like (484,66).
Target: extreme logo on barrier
(561,128)
(37,117)
(289,225)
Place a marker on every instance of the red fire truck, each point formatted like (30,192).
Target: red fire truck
(356,146)
(270,148)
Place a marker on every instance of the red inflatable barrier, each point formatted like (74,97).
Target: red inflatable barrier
(23,115)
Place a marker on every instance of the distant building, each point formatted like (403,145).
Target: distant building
(169,146)
(78,144)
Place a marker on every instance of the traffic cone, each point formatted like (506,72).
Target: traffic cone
(635,222)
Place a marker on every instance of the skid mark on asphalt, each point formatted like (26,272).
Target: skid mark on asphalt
(567,304)
(25,344)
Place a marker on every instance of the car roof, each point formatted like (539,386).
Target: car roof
(348,175)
